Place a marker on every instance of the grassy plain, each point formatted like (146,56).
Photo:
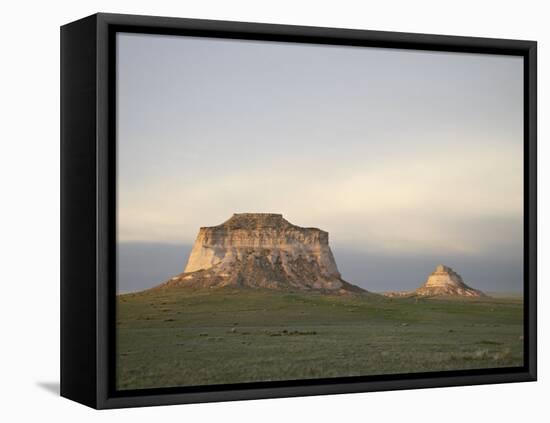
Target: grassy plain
(183,337)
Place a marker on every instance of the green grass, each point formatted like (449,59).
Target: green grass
(183,337)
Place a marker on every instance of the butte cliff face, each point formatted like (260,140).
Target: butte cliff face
(262,250)
(445,281)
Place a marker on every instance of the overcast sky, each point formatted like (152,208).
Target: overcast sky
(395,153)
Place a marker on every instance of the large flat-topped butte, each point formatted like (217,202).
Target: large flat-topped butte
(262,250)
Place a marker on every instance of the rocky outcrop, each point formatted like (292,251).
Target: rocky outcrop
(262,250)
(445,281)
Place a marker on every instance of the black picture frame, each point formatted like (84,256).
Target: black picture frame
(88,206)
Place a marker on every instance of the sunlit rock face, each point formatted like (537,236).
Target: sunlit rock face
(262,250)
(445,281)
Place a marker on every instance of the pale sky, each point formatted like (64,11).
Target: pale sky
(393,152)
